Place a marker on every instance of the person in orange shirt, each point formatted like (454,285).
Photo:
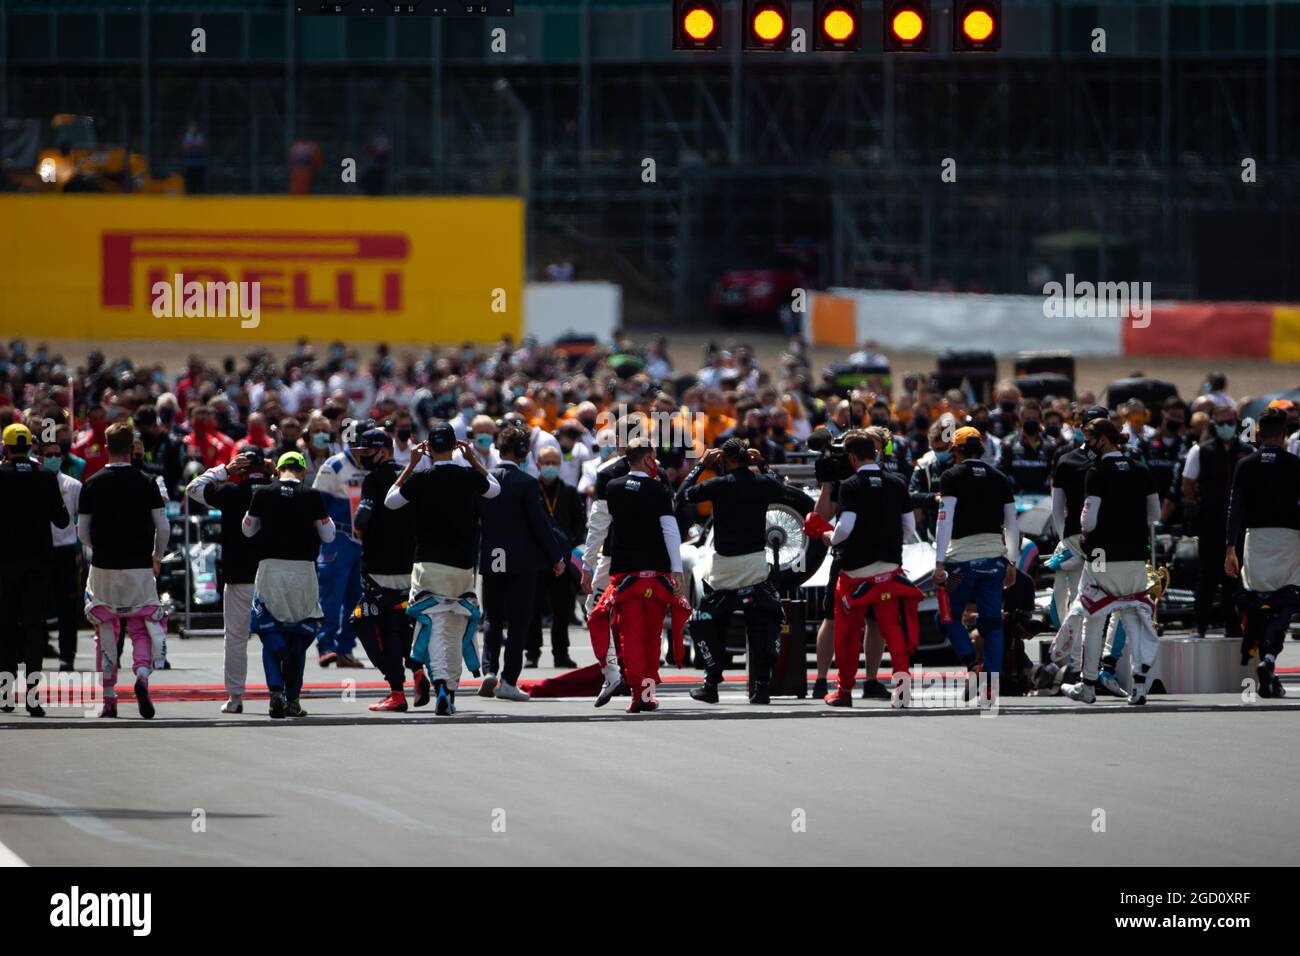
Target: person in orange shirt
(304,162)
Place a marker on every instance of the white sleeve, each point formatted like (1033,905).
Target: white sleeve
(394,499)
(909,525)
(325,529)
(1091,508)
(83,529)
(597,530)
(672,541)
(1011,531)
(196,488)
(250,525)
(1192,467)
(943,528)
(494,486)
(162,533)
(844,526)
(1153,508)
(1058,512)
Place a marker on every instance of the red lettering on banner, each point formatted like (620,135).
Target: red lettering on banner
(302,294)
(393,291)
(345,283)
(271,293)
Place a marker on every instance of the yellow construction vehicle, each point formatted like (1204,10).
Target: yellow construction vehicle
(70,159)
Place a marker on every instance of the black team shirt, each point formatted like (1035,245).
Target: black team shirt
(38,503)
(288,513)
(878,499)
(982,492)
(1265,492)
(636,504)
(1122,484)
(1069,475)
(740,499)
(445,517)
(387,535)
(239,554)
(120,501)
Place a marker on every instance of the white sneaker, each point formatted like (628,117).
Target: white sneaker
(510,692)
(1080,692)
(234,705)
(1139,694)
(1111,685)
(489,685)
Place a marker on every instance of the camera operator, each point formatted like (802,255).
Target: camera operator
(738,574)
(874,517)
(831,467)
(26,563)
(977,545)
(1264,515)
(1120,505)
(229,488)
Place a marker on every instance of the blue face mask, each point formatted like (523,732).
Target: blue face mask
(483,441)
(320,439)
(549,472)
(1225,430)
(943,457)
(52,463)
(606,451)
(467,413)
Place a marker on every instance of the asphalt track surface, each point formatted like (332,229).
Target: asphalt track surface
(1194,780)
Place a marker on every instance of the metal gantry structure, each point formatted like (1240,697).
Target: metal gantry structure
(750,151)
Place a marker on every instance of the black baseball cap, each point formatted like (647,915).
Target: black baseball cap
(1094,411)
(442,437)
(374,438)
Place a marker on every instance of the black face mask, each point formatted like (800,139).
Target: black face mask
(1052,431)
(920,424)
(981,426)
(855,420)
(1031,426)
(404,432)
(880,422)
(1173,426)
(1008,408)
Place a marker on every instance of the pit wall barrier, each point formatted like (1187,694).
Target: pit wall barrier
(1006,324)
(397,269)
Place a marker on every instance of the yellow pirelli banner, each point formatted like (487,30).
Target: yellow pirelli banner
(197,267)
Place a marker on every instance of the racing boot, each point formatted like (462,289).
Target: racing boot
(422,688)
(396,700)
(142,698)
(235,705)
(612,688)
(443,706)
(1269,683)
(278,705)
(639,706)
(839,698)
(109,709)
(760,694)
(819,688)
(1108,682)
(706,693)
(294,709)
(874,690)
(1083,692)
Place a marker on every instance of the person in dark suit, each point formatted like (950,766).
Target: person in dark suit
(517,543)
(569,525)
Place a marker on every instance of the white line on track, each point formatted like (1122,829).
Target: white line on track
(9,858)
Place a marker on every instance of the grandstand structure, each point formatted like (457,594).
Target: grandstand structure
(1122,165)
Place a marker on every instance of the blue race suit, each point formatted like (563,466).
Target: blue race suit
(338,568)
